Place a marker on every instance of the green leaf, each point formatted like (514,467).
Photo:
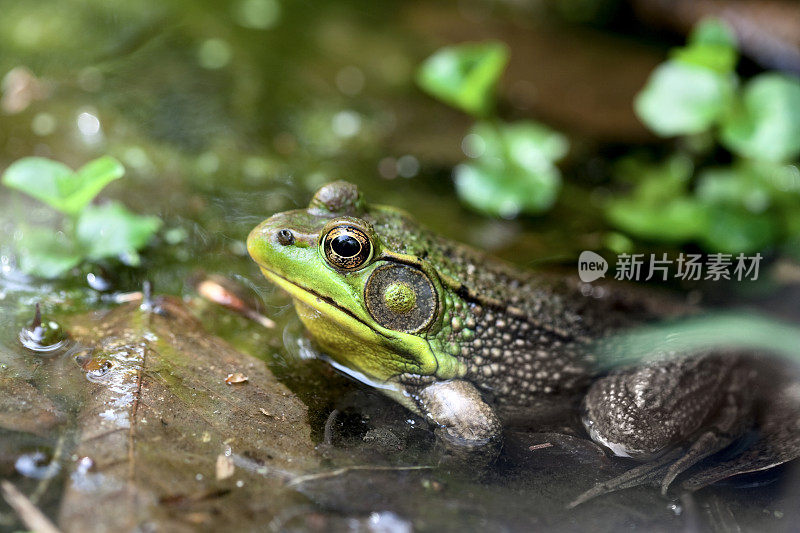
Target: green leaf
(111,230)
(659,208)
(713,31)
(465,76)
(766,123)
(46,253)
(720,59)
(89,180)
(57,185)
(513,170)
(732,230)
(679,220)
(38,177)
(712,44)
(507,191)
(683,99)
(661,182)
(734,186)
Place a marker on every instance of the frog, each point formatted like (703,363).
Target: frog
(473,344)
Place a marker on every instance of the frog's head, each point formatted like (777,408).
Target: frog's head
(370,307)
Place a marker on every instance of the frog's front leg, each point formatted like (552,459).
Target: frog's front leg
(460,415)
(671,414)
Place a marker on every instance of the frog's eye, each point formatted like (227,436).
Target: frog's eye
(347,247)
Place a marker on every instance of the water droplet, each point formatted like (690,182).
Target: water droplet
(45,338)
(88,124)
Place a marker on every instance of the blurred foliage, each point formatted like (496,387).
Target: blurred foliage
(465,76)
(512,166)
(732,183)
(89,232)
(751,203)
(512,169)
(698,334)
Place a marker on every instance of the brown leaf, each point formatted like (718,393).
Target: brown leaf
(156,417)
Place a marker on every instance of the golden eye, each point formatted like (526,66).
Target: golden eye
(347,248)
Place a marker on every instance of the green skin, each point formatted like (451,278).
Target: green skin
(470,342)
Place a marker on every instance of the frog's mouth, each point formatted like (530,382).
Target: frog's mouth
(321,303)
(353,325)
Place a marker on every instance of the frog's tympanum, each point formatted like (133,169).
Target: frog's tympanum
(470,343)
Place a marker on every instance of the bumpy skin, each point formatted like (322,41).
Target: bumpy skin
(467,340)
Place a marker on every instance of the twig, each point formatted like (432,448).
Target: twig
(30,515)
(339,471)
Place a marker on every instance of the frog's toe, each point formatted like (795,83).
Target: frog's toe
(644,474)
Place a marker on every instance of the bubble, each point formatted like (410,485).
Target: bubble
(214,54)
(407,166)
(43,124)
(346,123)
(350,80)
(387,168)
(257,14)
(208,162)
(473,145)
(509,209)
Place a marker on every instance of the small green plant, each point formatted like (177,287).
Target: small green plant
(749,204)
(512,166)
(88,232)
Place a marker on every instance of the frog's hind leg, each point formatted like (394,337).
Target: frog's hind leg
(778,442)
(671,413)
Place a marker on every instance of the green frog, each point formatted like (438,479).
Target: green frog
(472,344)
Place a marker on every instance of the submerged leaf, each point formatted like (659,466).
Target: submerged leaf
(47,253)
(465,75)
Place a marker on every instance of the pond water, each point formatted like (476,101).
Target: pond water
(224,113)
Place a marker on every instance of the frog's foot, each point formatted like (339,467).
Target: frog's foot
(648,413)
(461,417)
(778,441)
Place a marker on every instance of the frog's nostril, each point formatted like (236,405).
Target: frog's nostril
(285,237)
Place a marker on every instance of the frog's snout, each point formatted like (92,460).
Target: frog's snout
(263,239)
(277,240)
